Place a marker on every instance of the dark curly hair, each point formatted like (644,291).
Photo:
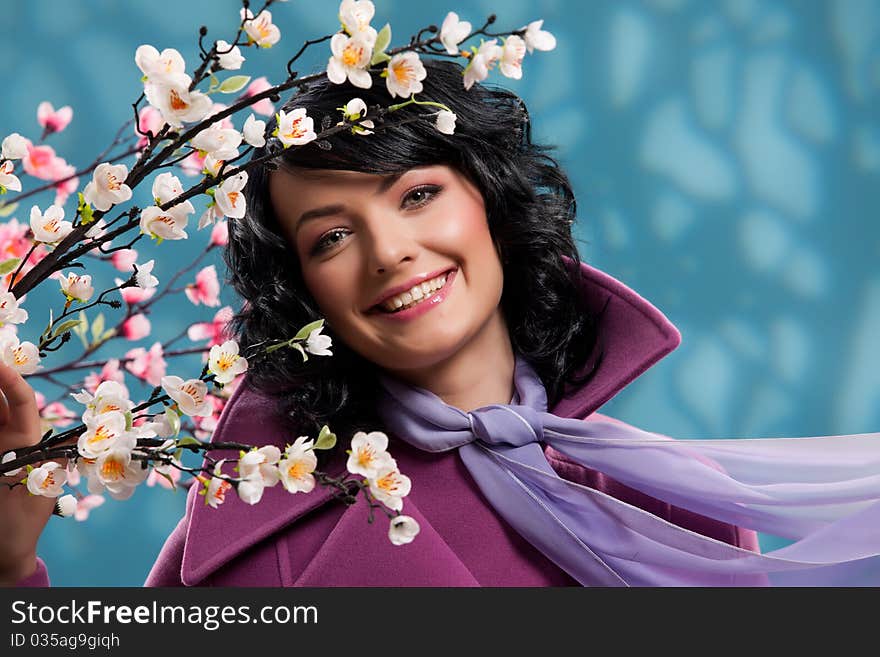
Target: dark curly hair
(530,209)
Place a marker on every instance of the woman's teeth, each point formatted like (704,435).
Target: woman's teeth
(415,295)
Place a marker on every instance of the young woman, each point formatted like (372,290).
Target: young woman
(465,327)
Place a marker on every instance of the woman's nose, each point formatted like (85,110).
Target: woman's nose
(390,244)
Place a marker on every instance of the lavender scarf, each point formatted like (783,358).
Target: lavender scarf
(822,492)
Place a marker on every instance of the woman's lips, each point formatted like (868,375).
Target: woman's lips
(426,304)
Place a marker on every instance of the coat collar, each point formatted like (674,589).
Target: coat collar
(633,335)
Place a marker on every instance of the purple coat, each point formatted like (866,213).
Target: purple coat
(312,540)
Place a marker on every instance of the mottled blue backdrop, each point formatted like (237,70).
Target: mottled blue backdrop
(726,158)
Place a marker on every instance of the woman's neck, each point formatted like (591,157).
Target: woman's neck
(478,374)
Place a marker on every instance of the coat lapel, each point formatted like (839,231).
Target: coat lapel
(633,336)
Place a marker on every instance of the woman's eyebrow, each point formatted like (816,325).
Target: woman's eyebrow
(316,213)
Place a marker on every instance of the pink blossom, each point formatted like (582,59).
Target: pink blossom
(149,120)
(73,475)
(205,425)
(206,289)
(15,243)
(51,119)
(58,415)
(110,372)
(124,259)
(220,234)
(215,331)
(86,504)
(193,164)
(264,107)
(155,478)
(135,327)
(133,295)
(147,365)
(42,162)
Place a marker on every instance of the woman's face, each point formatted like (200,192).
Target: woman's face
(364,243)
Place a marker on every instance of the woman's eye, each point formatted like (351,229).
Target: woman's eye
(420,196)
(329,239)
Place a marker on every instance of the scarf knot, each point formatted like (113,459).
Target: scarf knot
(511,425)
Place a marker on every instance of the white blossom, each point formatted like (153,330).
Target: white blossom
(254,131)
(166,187)
(77,287)
(119,473)
(482,62)
(402,530)
(389,486)
(24,357)
(538,39)
(215,493)
(47,480)
(225,363)
(10,313)
(49,227)
(297,466)
(221,143)
(318,344)
(229,197)
(167,224)
(295,128)
(14,147)
(103,432)
(261,30)
(368,454)
(66,505)
(511,57)
(107,187)
(250,489)
(263,463)
(453,32)
(405,74)
(231,60)
(9,180)
(353,111)
(355,16)
(178,104)
(191,395)
(350,59)
(445,122)
(144,278)
(167,67)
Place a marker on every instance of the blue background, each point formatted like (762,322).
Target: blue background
(726,158)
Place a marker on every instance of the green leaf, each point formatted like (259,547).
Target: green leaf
(97,326)
(299,348)
(326,439)
(234,83)
(64,327)
(383,39)
(187,440)
(7,209)
(215,82)
(168,477)
(128,421)
(174,420)
(379,58)
(303,333)
(109,333)
(9,265)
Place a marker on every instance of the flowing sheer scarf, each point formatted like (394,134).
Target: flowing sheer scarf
(821,492)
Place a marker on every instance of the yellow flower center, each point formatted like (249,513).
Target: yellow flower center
(233,196)
(194,392)
(19,356)
(389,483)
(226,361)
(177,103)
(297,470)
(366,455)
(113,469)
(113,183)
(352,54)
(101,433)
(48,481)
(403,72)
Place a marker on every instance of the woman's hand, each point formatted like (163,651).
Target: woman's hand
(22,515)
